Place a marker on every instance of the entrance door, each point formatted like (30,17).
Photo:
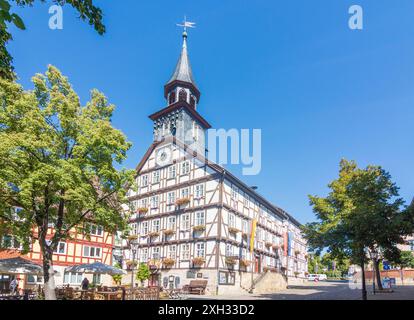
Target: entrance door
(257,267)
(154,280)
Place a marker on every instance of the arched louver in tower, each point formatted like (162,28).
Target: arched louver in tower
(192,101)
(182,96)
(172,97)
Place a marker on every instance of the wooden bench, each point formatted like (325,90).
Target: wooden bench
(197,286)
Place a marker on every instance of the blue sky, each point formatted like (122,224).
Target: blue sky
(318,90)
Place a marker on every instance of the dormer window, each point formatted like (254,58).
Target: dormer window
(182,96)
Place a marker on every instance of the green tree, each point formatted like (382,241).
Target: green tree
(143,273)
(314,263)
(57,164)
(361,214)
(404,261)
(117,277)
(87,11)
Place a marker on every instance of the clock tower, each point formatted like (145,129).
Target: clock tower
(180,118)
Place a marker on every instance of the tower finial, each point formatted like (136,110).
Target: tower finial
(186,24)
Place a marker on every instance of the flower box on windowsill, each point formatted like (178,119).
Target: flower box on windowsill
(296,274)
(297,252)
(268,244)
(169,232)
(153,234)
(142,211)
(182,201)
(199,228)
(231,261)
(233,230)
(244,263)
(198,261)
(244,235)
(168,263)
(132,237)
(131,263)
(275,247)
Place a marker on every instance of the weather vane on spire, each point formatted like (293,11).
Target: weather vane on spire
(186,24)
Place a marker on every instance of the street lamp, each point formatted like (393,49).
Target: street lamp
(134,251)
(374,257)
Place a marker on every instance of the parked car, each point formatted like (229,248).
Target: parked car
(313,277)
(322,277)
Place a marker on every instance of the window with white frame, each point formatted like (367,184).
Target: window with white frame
(185,251)
(144,227)
(244,226)
(200,249)
(185,221)
(34,279)
(72,278)
(156,253)
(61,248)
(156,225)
(10,242)
(171,223)
(144,254)
(199,191)
(185,167)
(156,176)
(234,192)
(232,220)
(229,250)
(154,202)
(200,218)
(171,198)
(172,171)
(172,251)
(96,230)
(184,193)
(144,180)
(246,200)
(134,228)
(91,252)
(144,203)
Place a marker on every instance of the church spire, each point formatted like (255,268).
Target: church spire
(181,86)
(183,70)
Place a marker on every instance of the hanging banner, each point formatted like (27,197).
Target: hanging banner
(253,234)
(285,244)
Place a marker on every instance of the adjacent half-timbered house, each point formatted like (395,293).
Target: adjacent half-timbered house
(191,218)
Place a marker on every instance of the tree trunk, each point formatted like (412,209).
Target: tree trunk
(48,274)
(402,275)
(364,287)
(378,274)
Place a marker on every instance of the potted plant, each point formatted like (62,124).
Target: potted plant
(168,262)
(131,263)
(297,252)
(244,263)
(182,201)
(153,234)
(244,235)
(268,244)
(169,232)
(198,261)
(296,273)
(132,237)
(233,230)
(230,261)
(199,228)
(142,211)
(275,247)
(143,273)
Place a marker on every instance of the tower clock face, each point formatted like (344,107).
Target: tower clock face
(163,157)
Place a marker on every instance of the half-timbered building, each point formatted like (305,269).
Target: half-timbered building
(191,218)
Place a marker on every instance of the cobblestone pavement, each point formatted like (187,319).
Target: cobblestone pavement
(320,291)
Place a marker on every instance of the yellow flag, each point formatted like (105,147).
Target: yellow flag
(253,234)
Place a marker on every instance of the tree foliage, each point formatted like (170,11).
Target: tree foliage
(57,162)
(362,217)
(87,12)
(143,272)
